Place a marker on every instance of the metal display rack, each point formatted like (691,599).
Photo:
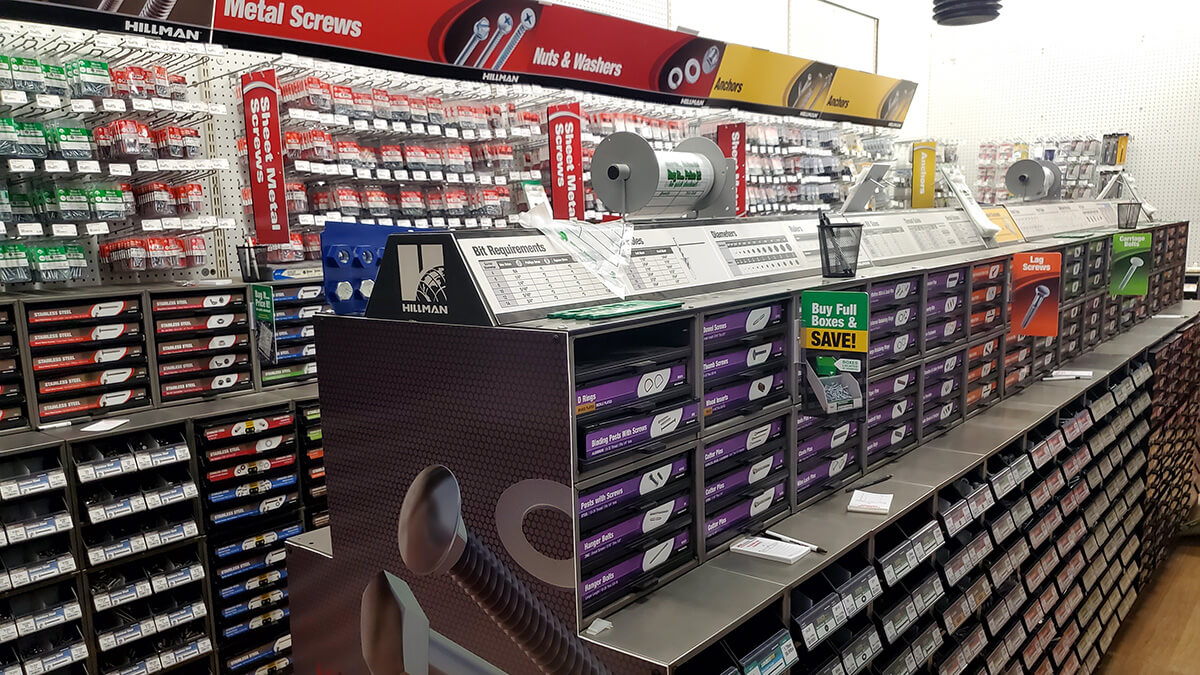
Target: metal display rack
(963,462)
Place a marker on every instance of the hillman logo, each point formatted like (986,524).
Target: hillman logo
(147,28)
(422,278)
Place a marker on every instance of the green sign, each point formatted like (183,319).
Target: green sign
(835,320)
(1131,262)
(262,299)
(834,343)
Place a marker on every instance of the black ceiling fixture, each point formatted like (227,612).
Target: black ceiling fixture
(965,12)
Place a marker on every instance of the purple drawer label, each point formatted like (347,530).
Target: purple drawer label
(889,438)
(615,392)
(742,442)
(632,528)
(805,421)
(736,360)
(745,510)
(629,433)
(742,322)
(947,330)
(634,567)
(939,414)
(891,385)
(943,366)
(937,390)
(631,488)
(882,294)
(892,318)
(890,346)
(944,281)
(744,476)
(811,478)
(834,438)
(891,411)
(730,397)
(942,306)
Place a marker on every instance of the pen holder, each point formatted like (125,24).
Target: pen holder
(839,248)
(1128,214)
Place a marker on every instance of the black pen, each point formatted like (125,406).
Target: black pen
(877,481)
(781,537)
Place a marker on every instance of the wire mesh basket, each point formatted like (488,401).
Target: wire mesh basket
(1128,214)
(839,248)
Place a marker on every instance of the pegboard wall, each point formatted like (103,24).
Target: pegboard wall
(652,12)
(1049,70)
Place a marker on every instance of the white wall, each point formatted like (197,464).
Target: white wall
(1047,69)
(811,29)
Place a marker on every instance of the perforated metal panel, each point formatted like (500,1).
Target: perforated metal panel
(1085,73)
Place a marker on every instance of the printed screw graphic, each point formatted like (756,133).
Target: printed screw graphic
(1134,263)
(157,9)
(109,5)
(482,28)
(528,20)
(434,540)
(1039,294)
(504,26)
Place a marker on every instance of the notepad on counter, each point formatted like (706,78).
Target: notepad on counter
(869,502)
(770,549)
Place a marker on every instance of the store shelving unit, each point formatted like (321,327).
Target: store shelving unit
(1004,487)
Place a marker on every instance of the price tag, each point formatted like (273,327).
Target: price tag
(96,228)
(363,173)
(472,222)
(386,221)
(221,163)
(361,125)
(20,165)
(419,175)
(162,103)
(226,224)
(191,223)
(535,174)
(421,222)
(452,178)
(485,179)
(83,105)
(147,165)
(467,134)
(120,169)
(218,108)
(142,104)
(418,128)
(367,221)
(434,130)
(172,223)
(342,120)
(64,230)
(48,101)
(402,127)
(306,219)
(29,229)
(501,133)
(451,132)
(383,174)
(401,174)
(87,166)
(345,170)
(469,178)
(438,222)
(57,166)
(168,165)
(303,165)
(325,118)
(454,222)
(13,97)
(485,133)
(152,225)
(436,175)
(485,222)
(379,124)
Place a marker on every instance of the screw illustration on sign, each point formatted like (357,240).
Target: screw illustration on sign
(1131,262)
(834,343)
(1036,287)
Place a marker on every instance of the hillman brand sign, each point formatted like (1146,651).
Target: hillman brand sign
(528,41)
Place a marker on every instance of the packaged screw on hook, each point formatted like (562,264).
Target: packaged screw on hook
(89,79)
(6,81)
(56,79)
(27,74)
(14,263)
